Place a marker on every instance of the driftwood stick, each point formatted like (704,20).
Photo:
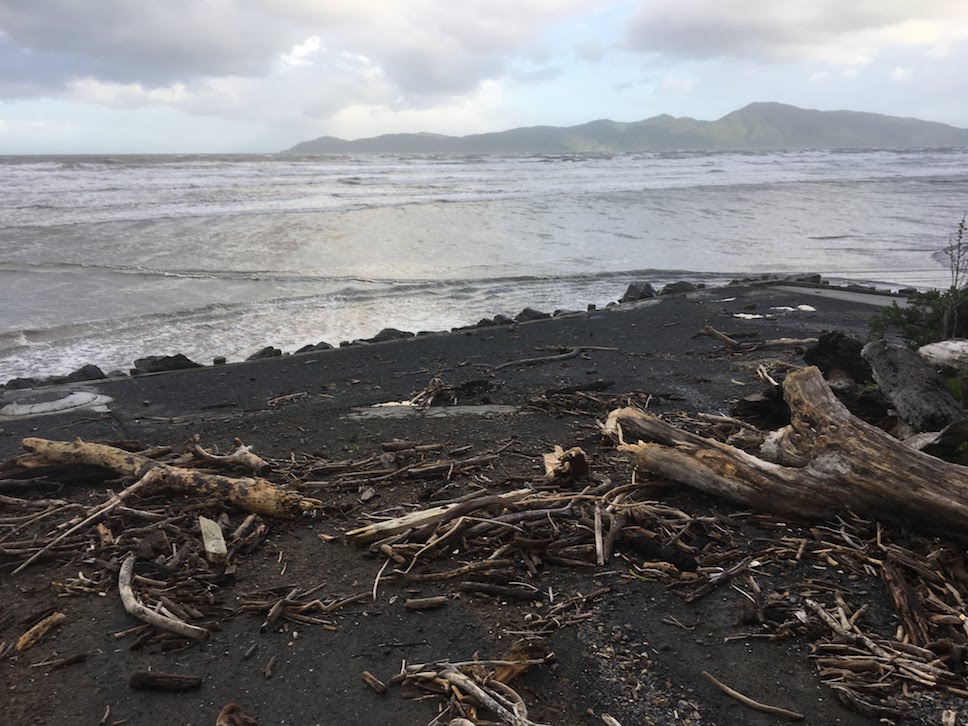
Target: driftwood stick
(250,493)
(755,705)
(710,331)
(573,353)
(417,519)
(136,608)
(241,458)
(467,684)
(151,477)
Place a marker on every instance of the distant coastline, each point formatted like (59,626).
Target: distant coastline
(758,126)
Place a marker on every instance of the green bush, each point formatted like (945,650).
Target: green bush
(934,315)
(924,320)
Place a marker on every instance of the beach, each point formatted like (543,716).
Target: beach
(626,645)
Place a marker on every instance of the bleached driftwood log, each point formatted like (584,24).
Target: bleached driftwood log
(951,354)
(250,493)
(826,461)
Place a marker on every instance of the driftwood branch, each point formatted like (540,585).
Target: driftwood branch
(250,493)
(136,608)
(838,463)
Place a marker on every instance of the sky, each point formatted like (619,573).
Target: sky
(223,76)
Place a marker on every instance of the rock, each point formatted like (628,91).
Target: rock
(390,334)
(218,360)
(674,287)
(503,320)
(559,313)
(638,291)
(810,278)
(162,363)
(16,384)
(267,352)
(906,291)
(322,345)
(88,372)
(531,314)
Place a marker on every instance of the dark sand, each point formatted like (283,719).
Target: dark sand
(624,660)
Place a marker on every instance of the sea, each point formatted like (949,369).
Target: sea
(105,259)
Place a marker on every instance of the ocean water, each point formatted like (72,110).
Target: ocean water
(104,259)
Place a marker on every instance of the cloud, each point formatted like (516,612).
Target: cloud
(289,63)
(828,31)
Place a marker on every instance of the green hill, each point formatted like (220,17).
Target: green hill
(756,126)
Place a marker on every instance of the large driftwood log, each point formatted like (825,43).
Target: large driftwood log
(951,354)
(914,388)
(826,461)
(252,494)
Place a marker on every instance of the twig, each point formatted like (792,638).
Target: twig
(149,478)
(755,705)
(573,353)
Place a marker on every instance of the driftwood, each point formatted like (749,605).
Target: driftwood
(252,494)
(826,461)
(950,354)
(420,518)
(914,388)
(136,608)
(158,681)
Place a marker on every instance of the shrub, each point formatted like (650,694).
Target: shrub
(933,315)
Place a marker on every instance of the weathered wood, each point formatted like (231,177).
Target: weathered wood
(252,494)
(951,354)
(136,608)
(420,518)
(156,680)
(907,604)
(914,388)
(829,462)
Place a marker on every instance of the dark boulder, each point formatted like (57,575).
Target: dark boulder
(809,278)
(531,314)
(674,287)
(390,334)
(15,384)
(267,352)
(323,345)
(638,291)
(162,363)
(88,372)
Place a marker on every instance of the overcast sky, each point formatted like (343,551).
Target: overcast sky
(101,76)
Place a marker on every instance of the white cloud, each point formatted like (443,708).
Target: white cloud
(901,74)
(300,53)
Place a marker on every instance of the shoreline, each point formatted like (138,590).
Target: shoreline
(636,293)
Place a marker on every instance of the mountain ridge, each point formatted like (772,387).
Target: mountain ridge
(757,126)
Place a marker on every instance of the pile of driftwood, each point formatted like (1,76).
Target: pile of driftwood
(830,486)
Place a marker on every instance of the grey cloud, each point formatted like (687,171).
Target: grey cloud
(414,53)
(151,42)
(770,30)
